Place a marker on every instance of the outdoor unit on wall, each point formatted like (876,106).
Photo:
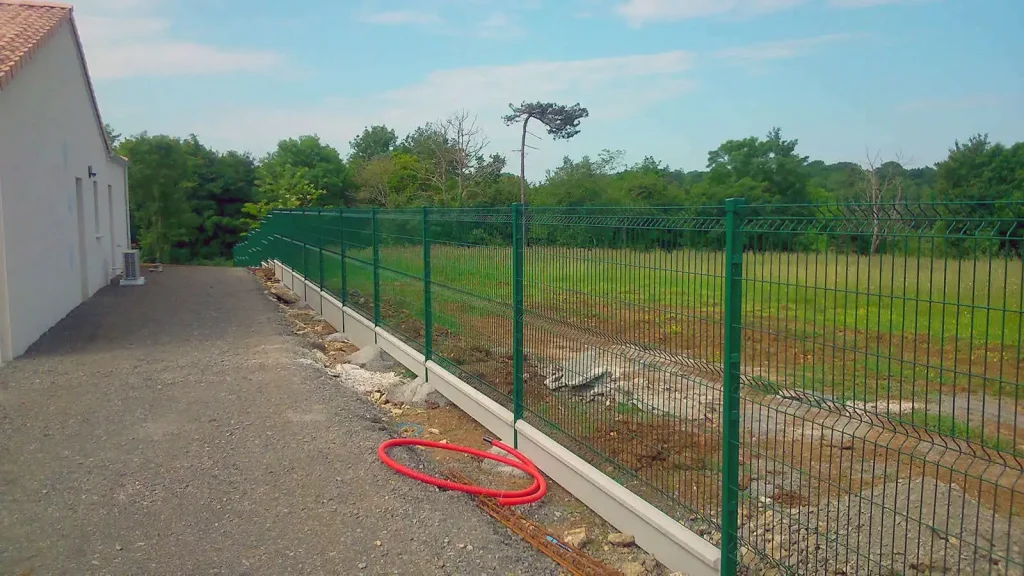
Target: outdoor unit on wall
(132,272)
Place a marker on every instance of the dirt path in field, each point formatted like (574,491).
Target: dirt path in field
(827,487)
(178,428)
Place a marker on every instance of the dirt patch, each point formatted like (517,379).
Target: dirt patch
(658,431)
(558,512)
(305,322)
(879,532)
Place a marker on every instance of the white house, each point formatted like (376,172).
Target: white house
(63,192)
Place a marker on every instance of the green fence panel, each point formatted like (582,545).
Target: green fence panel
(342,265)
(882,389)
(518,288)
(816,389)
(401,274)
(428,315)
(357,247)
(471,296)
(623,338)
(375,244)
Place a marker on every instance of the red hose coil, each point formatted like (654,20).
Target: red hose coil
(535,492)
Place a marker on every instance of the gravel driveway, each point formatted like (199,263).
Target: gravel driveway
(171,429)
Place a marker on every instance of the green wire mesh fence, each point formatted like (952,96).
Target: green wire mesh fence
(816,389)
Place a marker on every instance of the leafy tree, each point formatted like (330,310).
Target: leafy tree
(422,142)
(981,170)
(432,146)
(304,170)
(194,203)
(389,181)
(159,183)
(580,182)
(112,136)
(375,141)
(646,184)
(221,185)
(767,170)
(562,122)
(609,161)
(282,186)
(465,148)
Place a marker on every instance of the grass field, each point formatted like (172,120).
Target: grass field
(976,300)
(848,326)
(843,328)
(880,330)
(861,375)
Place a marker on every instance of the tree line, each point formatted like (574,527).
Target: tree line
(191,203)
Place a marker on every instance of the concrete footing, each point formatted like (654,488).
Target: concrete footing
(671,543)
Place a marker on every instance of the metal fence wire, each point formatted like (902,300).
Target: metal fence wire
(815,389)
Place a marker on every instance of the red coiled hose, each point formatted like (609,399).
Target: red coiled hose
(535,492)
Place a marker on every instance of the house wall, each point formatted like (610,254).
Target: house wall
(5,326)
(49,136)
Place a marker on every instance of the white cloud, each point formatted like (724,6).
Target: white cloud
(398,17)
(498,25)
(102,29)
(467,19)
(103,5)
(610,87)
(967,102)
(871,3)
(175,59)
(640,12)
(128,38)
(779,50)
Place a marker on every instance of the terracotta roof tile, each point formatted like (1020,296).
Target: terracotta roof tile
(24,26)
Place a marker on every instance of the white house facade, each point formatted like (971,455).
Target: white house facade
(64,219)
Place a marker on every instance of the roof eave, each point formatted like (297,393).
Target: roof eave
(92,90)
(9,76)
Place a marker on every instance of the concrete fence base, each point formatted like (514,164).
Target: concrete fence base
(672,544)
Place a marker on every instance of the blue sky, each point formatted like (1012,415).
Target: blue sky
(666,78)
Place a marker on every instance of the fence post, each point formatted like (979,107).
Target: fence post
(518,221)
(732,341)
(320,244)
(341,251)
(376,267)
(305,272)
(428,312)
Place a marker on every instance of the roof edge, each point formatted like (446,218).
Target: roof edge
(26,57)
(38,3)
(68,18)
(89,85)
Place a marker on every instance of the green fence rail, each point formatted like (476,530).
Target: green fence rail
(816,389)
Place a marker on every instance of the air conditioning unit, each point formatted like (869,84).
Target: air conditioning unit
(132,275)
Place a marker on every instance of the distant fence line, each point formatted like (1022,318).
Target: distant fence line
(817,389)
(936,229)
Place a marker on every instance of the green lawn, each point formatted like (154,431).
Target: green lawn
(975,300)
(946,425)
(855,326)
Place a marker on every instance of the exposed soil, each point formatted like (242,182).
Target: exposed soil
(778,349)
(652,448)
(558,512)
(800,450)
